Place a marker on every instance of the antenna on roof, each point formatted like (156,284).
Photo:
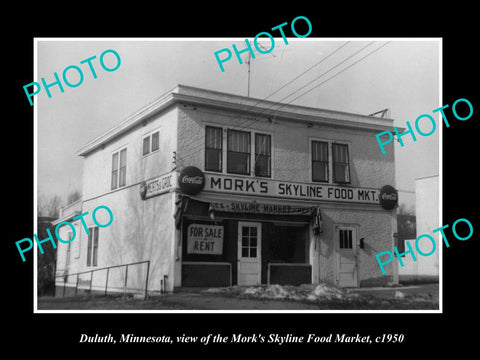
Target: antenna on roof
(248,63)
(385,113)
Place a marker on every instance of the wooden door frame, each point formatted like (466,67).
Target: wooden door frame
(258,224)
(336,244)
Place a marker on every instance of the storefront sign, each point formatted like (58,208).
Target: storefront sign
(285,189)
(158,185)
(257,208)
(191,180)
(205,239)
(388,197)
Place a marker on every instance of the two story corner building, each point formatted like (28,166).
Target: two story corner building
(213,189)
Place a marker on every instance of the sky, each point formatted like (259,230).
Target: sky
(402,75)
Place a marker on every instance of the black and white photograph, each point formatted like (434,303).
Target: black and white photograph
(268,181)
(285,177)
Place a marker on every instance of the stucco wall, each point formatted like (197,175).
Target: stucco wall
(98,164)
(291,162)
(141,229)
(372,225)
(291,146)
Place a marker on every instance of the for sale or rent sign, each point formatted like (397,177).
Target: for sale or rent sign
(205,239)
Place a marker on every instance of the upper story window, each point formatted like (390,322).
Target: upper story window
(119,169)
(319,161)
(238,152)
(263,155)
(241,149)
(341,167)
(151,143)
(324,163)
(213,148)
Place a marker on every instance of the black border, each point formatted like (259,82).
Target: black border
(429,333)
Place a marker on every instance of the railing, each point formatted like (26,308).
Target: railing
(65,276)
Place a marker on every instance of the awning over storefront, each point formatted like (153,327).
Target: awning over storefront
(250,207)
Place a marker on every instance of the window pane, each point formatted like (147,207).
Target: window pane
(253,252)
(319,151)
(115,161)
(89,247)
(245,241)
(262,155)
(253,231)
(245,252)
(114,171)
(239,141)
(213,160)
(245,230)
(123,157)
(262,165)
(320,171)
(123,177)
(340,153)
(146,145)
(345,239)
(155,141)
(213,148)
(341,173)
(114,179)
(238,163)
(238,156)
(213,137)
(253,242)
(262,144)
(95,246)
(123,168)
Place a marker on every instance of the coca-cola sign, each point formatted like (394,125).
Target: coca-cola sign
(191,180)
(388,197)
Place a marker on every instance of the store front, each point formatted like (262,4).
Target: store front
(244,248)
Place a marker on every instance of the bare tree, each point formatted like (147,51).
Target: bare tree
(47,211)
(49,206)
(406,225)
(74,196)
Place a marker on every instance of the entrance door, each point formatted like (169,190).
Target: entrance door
(346,246)
(249,256)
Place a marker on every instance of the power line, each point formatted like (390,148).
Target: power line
(310,68)
(326,72)
(341,71)
(243,124)
(306,92)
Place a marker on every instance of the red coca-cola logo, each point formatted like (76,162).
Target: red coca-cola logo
(191,180)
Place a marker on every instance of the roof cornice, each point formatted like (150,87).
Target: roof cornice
(242,104)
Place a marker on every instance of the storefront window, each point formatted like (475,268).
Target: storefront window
(287,244)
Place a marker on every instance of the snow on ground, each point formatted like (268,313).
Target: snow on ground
(287,292)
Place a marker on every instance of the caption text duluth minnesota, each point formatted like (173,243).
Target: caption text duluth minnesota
(241,338)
